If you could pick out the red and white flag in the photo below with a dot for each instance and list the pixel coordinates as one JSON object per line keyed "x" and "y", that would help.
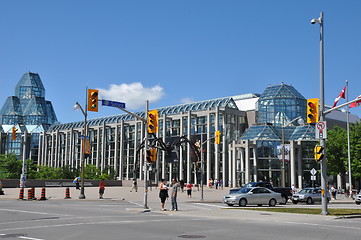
{"x": 341, "y": 95}
{"x": 357, "y": 103}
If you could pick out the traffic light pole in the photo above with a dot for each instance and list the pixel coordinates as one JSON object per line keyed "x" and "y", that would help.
{"x": 322, "y": 116}
{"x": 145, "y": 158}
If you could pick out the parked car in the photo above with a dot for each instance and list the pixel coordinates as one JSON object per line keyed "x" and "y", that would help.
{"x": 358, "y": 198}
{"x": 253, "y": 196}
{"x": 309, "y": 196}
{"x": 286, "y": 192}
{"x": 233, "y": 190}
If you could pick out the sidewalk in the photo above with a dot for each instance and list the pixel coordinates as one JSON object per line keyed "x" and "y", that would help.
{"x": 115, "y": 194}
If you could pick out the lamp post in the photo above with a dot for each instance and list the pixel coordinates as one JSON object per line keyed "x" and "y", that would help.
{"x": 78, "y": 107}
{"x": 320, "y": 21}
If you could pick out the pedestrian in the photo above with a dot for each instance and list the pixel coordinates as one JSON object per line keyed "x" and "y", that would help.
{"x": 220, "y": 183}
{"x": 76, "y": 181}
{"x": 333, "y": 192}
{"x": 216, "y": 183}
{"x": 189, "y": 190}
{"x": 101, "y": 189}
{"x": 163, "y": 193}
{"x": 134, "y": 185}
{"x": 293, "y": 189}
{"x": 174, "y": 194}
{"x": 181, "y": 182}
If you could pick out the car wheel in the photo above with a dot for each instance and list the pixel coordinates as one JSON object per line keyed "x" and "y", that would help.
{"x": 272, "y": 202}
{"x": 309, "y": 201}
{"x": 295, "y": 202}
{"x": 229, "y": 204}
{"x": 259, "y": 205}
{"x": 358, "y": 203}
{"x": 243, "y": 202}
{"x": 284, "y": 200}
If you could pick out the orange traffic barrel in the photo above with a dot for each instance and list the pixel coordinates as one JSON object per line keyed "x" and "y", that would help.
{"x": 21, "y": 194}
{"x": 67, "y": 193}
{"x": 30, "y": 194}
{"x": 43, "y": 194}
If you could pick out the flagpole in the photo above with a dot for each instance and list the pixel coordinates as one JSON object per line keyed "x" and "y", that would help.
{"x": 348, "y": 142}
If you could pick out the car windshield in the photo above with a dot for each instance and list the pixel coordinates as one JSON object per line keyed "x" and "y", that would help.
{"x": 306, "y": 190}
{"x": 244, "y": 190}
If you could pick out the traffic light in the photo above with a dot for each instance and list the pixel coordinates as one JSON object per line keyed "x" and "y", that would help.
{"x": 152, "y": 155}
{"x": 318, "y": 153}
{"x": 13, "y": 133}
{"x": 93, "y": 100}
{"x": 312, "y": 110}
{"x": 153, "y": 121}
{"x": 218, "y": 137}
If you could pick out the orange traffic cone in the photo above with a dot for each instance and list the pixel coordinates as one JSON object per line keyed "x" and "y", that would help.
{"x": 67, "y": 193}
{"x": 43, "y": 194}
{"x": 21, "y": 194}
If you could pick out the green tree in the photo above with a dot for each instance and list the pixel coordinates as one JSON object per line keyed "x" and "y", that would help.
{"x": 10, "y": 166}
{"x": 355, "y": 152}
{"x": 336, "y": 151}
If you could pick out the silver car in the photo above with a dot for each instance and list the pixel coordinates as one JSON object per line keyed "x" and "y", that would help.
{"x": 358, "y": 199}
{"x": 309, "y": 195}
{"x": 253, "y": 196}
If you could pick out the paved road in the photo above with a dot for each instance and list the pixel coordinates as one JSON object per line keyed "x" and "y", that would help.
{"x": 121, "y": 216}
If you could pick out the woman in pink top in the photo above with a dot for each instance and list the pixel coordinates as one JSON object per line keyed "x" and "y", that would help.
{"x": 189, "y": 190}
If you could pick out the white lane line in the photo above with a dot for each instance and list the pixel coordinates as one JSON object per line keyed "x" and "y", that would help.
{"x": 138, "y": 204}
{"x": 30, "y": 238}
{"x": 209, "y": 205}
{"x": 44, "y": 213}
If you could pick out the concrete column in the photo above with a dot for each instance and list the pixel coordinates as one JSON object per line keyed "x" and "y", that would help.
{"x": 234, "y": 165}
{"x": 164, "y": 166}
{"x": 247, "y": 162}
{"x": 121, "y": 150}
{"x": 181, "y": 166}
{"x": 293, "y": 162}
{"x": 299, "y": 164}
{"x": 189, "y": 162}
{"x": 255, "y": 168}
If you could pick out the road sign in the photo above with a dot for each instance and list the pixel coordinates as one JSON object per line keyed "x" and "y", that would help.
{"x": 313, "y": 178}
{"x": 313, "y": 171}
{"x": 113, "y": 104}
{"x": 321, "y": 130}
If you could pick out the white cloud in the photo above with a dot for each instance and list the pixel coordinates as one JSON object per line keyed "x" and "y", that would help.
{"x": 133, "y": 95}
{"x": 187, "y": 100}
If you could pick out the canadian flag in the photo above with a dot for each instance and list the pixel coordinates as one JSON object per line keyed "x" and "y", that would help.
{"x": 341, "y": 95}
{"x": 357, "y": 103}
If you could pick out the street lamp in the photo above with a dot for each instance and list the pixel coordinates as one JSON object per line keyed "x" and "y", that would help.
{"x": 78, "y": 107}
{"x": 320, "y": 21}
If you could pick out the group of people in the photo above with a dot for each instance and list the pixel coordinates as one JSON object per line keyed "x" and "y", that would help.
{"x": 217, "y": 184}
{"x": 174, "y": 187}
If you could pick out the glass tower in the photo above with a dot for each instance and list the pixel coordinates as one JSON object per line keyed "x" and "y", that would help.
{"x": 29, "y": 112}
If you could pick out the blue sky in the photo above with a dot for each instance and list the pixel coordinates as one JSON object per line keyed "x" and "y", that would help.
{"x": 171, "y": 52}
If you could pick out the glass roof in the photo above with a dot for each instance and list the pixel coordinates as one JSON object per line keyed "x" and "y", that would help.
{"x": 280, "y": 91}
{"x": 171, "y": 110}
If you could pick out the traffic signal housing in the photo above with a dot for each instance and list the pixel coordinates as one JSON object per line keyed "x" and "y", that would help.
{"x": 13, "y": 133}
{"x": 312, "y": 110}
{"x": 318, "y": 153}
{"x": 152, "y": 155}
{"x": 93, "y": 100}
{"x": 152, "y": 121}
{"x": 218, "y": 137}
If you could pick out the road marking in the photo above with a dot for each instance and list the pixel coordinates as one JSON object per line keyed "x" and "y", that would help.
{"x": 30, "y": 238}
{"x": 44, "y": 213}
{"x": 209, "y": 205}
{"x": 138, "y": 204}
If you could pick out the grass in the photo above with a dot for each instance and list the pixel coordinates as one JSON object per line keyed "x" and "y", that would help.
{"x": 332, "y": 212}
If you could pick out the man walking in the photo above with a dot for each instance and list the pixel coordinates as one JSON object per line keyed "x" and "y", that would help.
{"x": 174, "y": 194}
